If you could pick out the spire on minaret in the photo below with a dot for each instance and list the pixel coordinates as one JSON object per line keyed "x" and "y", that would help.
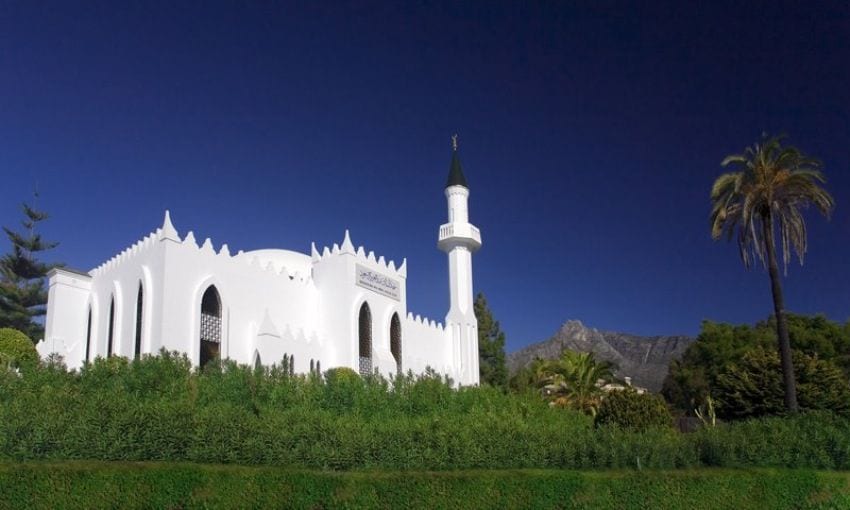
{"x": 456, "y": 177}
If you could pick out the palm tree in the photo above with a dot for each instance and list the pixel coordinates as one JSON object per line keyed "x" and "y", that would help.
{"x": 765, "y": 195}
{"x": 529, "y": 376}
{"x": 576, "y": 380}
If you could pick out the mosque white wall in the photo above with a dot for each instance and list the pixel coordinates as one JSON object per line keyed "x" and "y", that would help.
{"x": 66, "y": 328}
{"x": 427, "y": 346}
{"x": 343, "y": 275}
{"x": 274, "y": 303}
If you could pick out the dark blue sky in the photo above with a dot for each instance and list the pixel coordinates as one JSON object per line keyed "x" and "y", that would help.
{"x": 590, "y": 135}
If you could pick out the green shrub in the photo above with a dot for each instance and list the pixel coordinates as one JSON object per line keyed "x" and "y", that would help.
{"x": 16, "y": 349}
{"x": 752, "y": 386}
{"x": 634, "y": 411}
{"x": 694, "y": 376}
{"x": 160, "y": 408}
{"x": 806, "y": 440}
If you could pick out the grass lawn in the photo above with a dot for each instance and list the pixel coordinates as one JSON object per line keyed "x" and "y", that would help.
{"x": 86, "y": 484}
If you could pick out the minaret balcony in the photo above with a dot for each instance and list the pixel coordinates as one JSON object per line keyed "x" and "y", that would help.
{"x": 459, "y": 234}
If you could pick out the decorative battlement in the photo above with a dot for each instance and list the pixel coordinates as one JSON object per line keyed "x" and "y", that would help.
{"x": 424, "y": 321}
{"x": 168, "y": 233}
{"x": 255, "y": 263}
{"x": 130, "y": 253}
{"x": 347, "y": 248}
{"x": 268, "y": 328}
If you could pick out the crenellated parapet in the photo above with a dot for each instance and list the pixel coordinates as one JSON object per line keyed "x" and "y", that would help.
{"x": 425, "y": 322}
{"x": 167, "y": 233}
{"x": 360, "y": 254}
{"x": 139, "y": 248}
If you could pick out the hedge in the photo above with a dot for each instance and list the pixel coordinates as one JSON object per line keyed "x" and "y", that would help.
{"x": 159, "y": 409}
{"x": 162, "y": 485}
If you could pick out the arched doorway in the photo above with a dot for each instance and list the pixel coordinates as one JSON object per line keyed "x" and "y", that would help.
{"x": 365, "y": 337}
{"x": 395, "y": 341}
{"x": 210, "y": 326}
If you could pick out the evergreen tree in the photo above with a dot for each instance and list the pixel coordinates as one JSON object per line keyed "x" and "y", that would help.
{"x": 491, "y": 346}
{"x": 23, "y": 289}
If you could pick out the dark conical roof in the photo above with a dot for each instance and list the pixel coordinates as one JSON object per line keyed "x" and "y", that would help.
{"x": 456, "y": 177}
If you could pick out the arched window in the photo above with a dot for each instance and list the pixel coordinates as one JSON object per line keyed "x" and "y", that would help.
{"x": 88, "y": 335}
{"x": 137, "y": 350}
{"x": 111, "y": 328}
{"x": 365, "y": 334}
{"x": 210, "y": 326}
{"x": 395, "y": 341}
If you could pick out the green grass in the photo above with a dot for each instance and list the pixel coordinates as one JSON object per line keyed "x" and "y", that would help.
{"x": 88, "y": 484}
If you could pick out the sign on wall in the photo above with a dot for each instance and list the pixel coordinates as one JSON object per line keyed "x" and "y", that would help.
{"x": 377, "y": 282}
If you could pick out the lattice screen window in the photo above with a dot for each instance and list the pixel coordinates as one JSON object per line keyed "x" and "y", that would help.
{"x": 210, "y": 341}
{"x": 365, "y": 365}
{"x": 365, "y": 340}
{"x": 395, "y": 341}
{"x": 210, "y": 328}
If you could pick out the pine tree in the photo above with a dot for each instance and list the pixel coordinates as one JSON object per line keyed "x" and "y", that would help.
{"x": 23, "y": 289}
{"x": 491, "y": 346}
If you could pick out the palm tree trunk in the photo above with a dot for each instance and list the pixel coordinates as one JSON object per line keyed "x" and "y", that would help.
{"x": 779, "y": 311}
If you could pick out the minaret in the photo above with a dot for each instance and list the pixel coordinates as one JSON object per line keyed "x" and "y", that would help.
{"x": 459, "y": 239}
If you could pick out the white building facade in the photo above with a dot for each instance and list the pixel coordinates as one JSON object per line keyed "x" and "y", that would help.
{"x": 339, "y": 307}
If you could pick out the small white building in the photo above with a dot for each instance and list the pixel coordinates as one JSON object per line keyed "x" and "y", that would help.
{"x": 341, "y": 307}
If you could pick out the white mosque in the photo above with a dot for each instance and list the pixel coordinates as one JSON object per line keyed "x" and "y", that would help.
{"x": 339, "y": 307}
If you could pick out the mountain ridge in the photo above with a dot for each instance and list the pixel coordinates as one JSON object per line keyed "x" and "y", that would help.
{"x": 646, "y": 359}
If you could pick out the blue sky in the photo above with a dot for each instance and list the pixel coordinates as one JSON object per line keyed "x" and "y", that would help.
{"x": 590, "y": 134}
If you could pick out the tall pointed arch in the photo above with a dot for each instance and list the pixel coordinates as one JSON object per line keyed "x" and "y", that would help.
{"x": 110, "y": 332}
{"x": 210, "y": 337}
{"x": 395, "y": 341}
{"x": 365, "y": 339}
{"x": 88, "y": 336}
{"x": 137, "y": 347}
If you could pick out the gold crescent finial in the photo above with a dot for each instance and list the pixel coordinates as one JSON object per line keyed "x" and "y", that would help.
{"x": 454, "y": 142}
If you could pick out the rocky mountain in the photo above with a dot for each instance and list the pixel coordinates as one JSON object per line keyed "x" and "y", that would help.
{"x": 645, "y": 359}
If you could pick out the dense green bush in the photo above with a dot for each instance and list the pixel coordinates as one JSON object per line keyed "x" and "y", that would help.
{"x": 692, "y": 378}
{"x": 753, "y": 387}
{"x": 163, "y": 485}
{"x": 634, "y": 411}
{"x": 814, "y": 439}
{"x": 159, "y": 408}
{"x": 16, "y": 349}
